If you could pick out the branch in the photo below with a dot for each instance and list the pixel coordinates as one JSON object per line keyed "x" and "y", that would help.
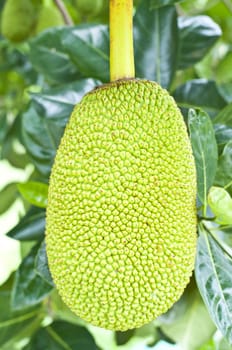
{"x": 61, "y": 6}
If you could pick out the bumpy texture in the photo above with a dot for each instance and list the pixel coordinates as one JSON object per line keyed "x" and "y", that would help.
{"x": 121, "y": 212}
{"x": 18, "y": 20}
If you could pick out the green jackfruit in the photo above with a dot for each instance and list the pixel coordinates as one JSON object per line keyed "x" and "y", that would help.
{"x": 121, "y": 216}
{"x": 18, "y": 20}
{"x": 49, "y": 16}
{"x": 90, "y": 7}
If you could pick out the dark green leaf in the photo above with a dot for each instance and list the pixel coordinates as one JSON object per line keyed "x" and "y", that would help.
{"x": 155, "y": 43}
{"x": 197, "y": 35}
{"x": 8, "y": 196}
{"x": 225, "y": 91}
{"x": 61, "y": 335}
{"x": 224, "y": 171}
{"x": 41, "y": 264}
{"x": 154, "y": 4}
{"x": 214, "y": 278}
{"x": 200, "y": 93}
{"x": 123, "y": 337}
{"x": 31, "y": 226}
{"x": 50, "y": 58}
{"x": 14, "y": 325}
{"x": 36, "y": 193}
{"x": 204, "y": 149}
{"x": 223, "y": 126}
{"x": 29, "y": 288}
{"x": 88, "y": 47}
{"x": 44, "y": 122}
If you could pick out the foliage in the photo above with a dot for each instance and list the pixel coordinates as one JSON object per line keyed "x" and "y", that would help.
{"x": 186, "y": 47}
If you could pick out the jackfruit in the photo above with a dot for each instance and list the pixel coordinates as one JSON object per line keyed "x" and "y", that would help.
{"x": 121, "y": 215}
{"x": 90, "y": 7}
{"x": 49, "y": 16}
{"x": 18, "y": 20}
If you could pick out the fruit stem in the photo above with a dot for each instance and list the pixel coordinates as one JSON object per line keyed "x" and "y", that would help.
{"x": 121, "y": 40}
{"x": 61, "y": 7}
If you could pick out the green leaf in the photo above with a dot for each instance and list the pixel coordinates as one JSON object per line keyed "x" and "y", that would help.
{"x": 224, "y": 171}
{"x": 41, "y": 264}
{"x": 197, "y": 35}
{"x": 62, "y": 335}
{"x": 31, "y": 227}
{"x": 225, "y": 91}
{"x": 204, "y": 149}
{"x": 88, "y": 48}
{"x": 223, "y": 126}
{"x": 201, "y": 93}
{"x": 14, "y": 326}
{"x": 44, "y": 122}
{"x": 214, "y": 278}
{"x": 35, "y": 193}
{"x": 220, "y": 203}
{"x": 29, "y": 288}
{"x": 155, "y": 43}
{"x": 8, "y": 196}
{"x": 154, "y": 4}
{"x": 191, "y": 325}
{"x": 50, "y": 58}
{"x": 223, "y": 69}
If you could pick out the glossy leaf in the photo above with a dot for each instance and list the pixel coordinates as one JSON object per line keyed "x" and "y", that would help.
{"x": 62, "y": 335}
{"x": 197, "y": 35}
{"x": 224, "y": 171}
{"x": 49, "y": 57}
{"x": 41, "y": 264}
{"x": 31, "y": 227}
{"x": 223, "y": 126}
{"x": 88, "y": 48}
{"x": 154, "y": 4}
{"x": 29, "y": 288}
{"x": 204, "y": 149}
{"x": 155, "y": 43}
{"x": 44, "y": 122}
{"x": 199, "y": 93}
{"x": 214, "y": 278}
{"x": 36, "y": 193}
{"x": 225, "y": 91}
{"x": 220, "y": 203}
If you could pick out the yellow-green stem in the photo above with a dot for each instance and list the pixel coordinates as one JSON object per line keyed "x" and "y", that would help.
{"x": 121, "y": 40}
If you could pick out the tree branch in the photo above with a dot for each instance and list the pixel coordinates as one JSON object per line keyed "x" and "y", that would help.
{"x": 61, "y": 6}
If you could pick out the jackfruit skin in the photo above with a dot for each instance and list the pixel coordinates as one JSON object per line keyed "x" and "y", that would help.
{"x": 121, "y": 216}
{"x": 49, "y": 17}
{"x": 18, "y": 20}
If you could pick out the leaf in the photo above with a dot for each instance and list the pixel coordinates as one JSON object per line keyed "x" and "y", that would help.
{"x": 192, "y": 326}
{"x": 201, "y": 93}
{"x": 155, "y": 43}
{"x": 31, "y": 226}
{"x": 50, "y": 58}
{"x": 62, "y": 335}
{"x": 214, "y": 278}
{"x": 29, "y": 288}
{"x": 223, "y": 126}
{"x": 204, "y": 149}
{"x": 225, "y": 91}
{"x": 154, "y": 4}
{"x": 197, "y": 35}
{"x": 8, "y": 197}
{"x": 224, "y": 171}
{"x": 41, "y": 264}
{"x": 223, "y": 69}
{"x": 44, "y": 122}
{"x": 35, "y": 193}
{"x": 88, "y": 48}
{"x": 14, "y": 325}
{"x": 220, "y": 203}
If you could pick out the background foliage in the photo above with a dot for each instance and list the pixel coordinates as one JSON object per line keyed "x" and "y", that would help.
{"x": 186, "y": 46}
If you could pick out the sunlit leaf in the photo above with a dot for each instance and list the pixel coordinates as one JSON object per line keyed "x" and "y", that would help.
{"x": 220, "y": 203}
{"x": 224, "y": 171}
{"x": 35, "y": 193}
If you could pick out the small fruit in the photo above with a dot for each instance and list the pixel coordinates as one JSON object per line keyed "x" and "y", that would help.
{"x": 121, "y": 216}
{"x": 18, "y": 20}
{"x": 49, "y": 16}
{"x": 220, "y": 203}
